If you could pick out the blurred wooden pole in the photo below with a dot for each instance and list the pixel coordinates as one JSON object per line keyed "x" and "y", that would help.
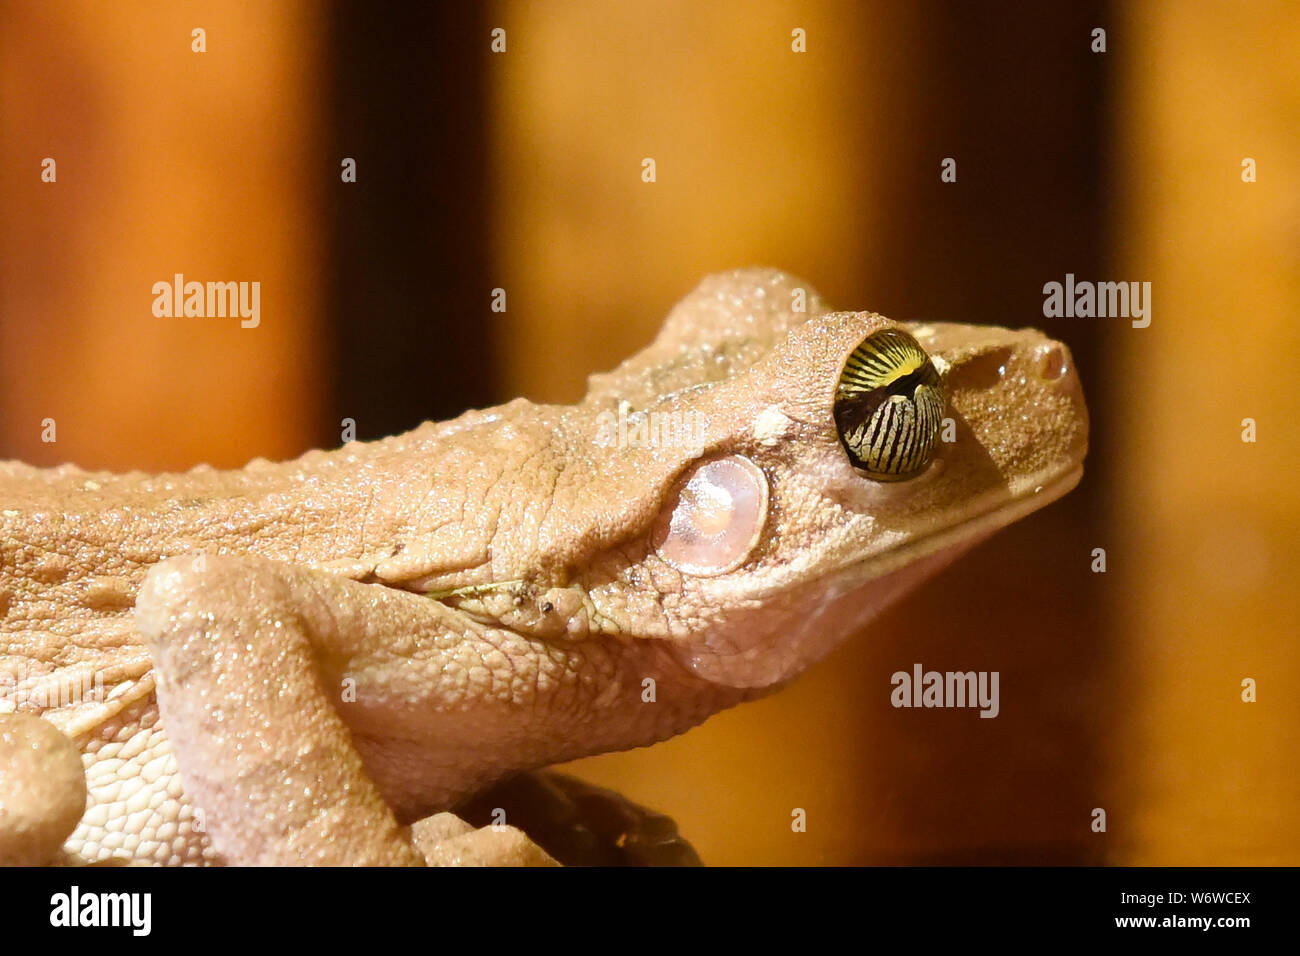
{"x": 168, "y": 161}
{"x": 753, "y": 164}
{"x": 1205, "y": 557}
{"x": 407, "y": 283}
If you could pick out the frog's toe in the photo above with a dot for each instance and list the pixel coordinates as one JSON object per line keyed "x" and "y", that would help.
{"x": 42, "y": 790}
{"x": 446, "y": 840}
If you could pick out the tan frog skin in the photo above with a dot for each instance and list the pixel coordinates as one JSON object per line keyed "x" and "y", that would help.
{"x": 308, "y": 656}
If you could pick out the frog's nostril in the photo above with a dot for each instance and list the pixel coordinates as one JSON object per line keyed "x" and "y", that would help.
{"x": 1053, "y": 363}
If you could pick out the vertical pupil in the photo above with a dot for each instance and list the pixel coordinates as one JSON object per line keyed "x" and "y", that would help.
{"x": 906, "y": 386}
{"x": 888, "y": 418}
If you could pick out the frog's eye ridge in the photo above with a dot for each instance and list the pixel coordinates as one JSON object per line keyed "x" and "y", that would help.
{"x": 889, "y": 406}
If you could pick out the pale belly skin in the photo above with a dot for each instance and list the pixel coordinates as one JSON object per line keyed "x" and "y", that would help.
{"x": 349, "y": 642}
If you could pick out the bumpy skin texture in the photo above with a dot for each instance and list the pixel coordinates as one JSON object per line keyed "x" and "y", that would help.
{"x": 305, "y": 657}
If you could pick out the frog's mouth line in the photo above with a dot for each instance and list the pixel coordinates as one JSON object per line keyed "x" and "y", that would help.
{"x": 958, "y": 538}
{"x": 974, "y": 529}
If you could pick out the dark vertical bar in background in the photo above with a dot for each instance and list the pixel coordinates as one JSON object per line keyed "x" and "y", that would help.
{"x": 408, "y": 241}
{"x": 1021, "y": 102}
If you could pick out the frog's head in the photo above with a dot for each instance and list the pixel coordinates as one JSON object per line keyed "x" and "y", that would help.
{"x": 826, "y": 463}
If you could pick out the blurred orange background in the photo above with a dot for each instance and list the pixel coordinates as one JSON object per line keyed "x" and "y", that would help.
{"x": 521, "y": 170}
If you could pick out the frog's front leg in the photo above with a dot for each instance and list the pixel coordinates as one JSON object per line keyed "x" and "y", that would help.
{"x": 42, "y": 790}
{"x": 258, "y": 664}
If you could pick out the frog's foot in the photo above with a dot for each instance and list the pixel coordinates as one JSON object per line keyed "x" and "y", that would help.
{"x": 446, "y": 840}
{"x": 42, "y": 790}
{"x": 580, "y": 824}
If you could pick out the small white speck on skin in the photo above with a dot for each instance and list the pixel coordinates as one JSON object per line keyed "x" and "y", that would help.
{"x": 770, "y": 426}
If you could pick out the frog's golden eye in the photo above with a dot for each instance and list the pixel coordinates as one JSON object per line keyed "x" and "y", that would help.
{"x": 889, "y": 406}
